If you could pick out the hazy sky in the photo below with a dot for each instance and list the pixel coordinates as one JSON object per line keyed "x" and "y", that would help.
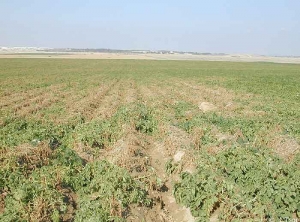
{"x": 270, "y": 27}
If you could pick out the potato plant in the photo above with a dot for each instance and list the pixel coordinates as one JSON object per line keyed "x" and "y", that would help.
{"x": 245, "y": 183}
{"x": 106, "y": 140}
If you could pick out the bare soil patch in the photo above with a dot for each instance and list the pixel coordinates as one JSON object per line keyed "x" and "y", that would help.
{"x": 285, "y": 146}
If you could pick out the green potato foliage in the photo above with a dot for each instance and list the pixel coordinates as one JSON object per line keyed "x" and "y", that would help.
{"x": 245, "y": 183}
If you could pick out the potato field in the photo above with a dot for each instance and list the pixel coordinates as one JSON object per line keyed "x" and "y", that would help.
{"x": 141, "y": 140}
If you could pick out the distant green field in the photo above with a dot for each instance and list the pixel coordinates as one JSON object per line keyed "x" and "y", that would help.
{"x": 101, "y": 140}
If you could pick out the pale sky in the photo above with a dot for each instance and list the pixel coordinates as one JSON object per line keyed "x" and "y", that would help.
{"x": 269, "y": 27}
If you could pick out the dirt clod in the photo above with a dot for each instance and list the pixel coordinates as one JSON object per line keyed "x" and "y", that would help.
{"x": 207, "y": 107}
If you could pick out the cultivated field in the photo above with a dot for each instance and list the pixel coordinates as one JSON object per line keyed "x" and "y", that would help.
{"x": 150, "y": 56}
{"x": 138, "y": 140}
